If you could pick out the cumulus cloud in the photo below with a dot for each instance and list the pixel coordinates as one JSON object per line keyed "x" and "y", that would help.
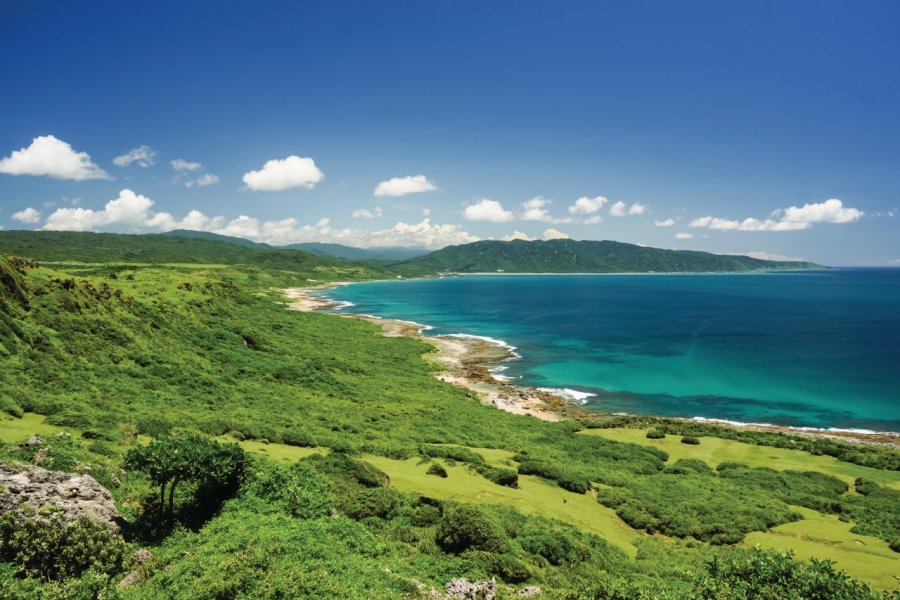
{"x": 516, "y": 235}
{"x": 29, "y": 215}
{"x": 127, "y": 211}
{"x": 555, "y": 234}
{"x": 401, "y": 186}
{"x": 681, "y": 235}
{"x": 786, "y": 219}
{"x": 281, "y": 174}
{"x": 179, "y": 165}
{"x": 144, "y": 156}
{"x": 620, "y": 209}
{"x": 830, "y": 211}
{"x": 365, "y": 213}
{"x": 487, "y": 210}
{"x": 587, "y": 206}
{"x": 593, "y": 220}
{"x": 202, "y": 181}
{"x": 666, "y": 223}
{"x": 52, "y": 157}
{"x": 535, "y": 209}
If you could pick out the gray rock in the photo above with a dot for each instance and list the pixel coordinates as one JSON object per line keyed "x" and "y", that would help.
{"x": 464, "y": 589}
{"x": 75, "y": 495}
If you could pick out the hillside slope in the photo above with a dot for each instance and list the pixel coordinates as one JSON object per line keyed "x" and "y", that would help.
{"x": 87, "y": 247}
{"x": 571, "y": 256}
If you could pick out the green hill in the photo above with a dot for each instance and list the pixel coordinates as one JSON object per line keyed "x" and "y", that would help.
{"x": 87, "y": 247}
{"x": 206, "y": 235}
{"x": 571, "y": 256}
{"x": 390, "y": 253}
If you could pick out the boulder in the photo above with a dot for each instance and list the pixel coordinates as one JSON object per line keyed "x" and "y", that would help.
{"x": 76, "y": 496}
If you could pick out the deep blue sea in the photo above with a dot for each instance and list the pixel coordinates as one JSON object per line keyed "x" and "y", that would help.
{"x": 815, "y": 348}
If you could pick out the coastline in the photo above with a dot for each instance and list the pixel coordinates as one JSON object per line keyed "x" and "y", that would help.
{"x": 472, "y": 361}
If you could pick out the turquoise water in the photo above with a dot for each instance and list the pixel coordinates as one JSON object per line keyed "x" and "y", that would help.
{"x": 819, "y": 349}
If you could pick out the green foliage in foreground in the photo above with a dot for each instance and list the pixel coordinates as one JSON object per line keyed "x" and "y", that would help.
{"x": 164, "y": 351}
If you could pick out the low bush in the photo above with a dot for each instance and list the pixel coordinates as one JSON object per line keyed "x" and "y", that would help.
{"x": 437, "y": 469}
{"x": 690, "y": 440}
{"x": 656, "y": 434}
{"x": 467, "y": 527}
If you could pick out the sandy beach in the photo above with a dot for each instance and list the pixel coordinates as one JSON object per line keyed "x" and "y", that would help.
{"x": 466, "y": 362}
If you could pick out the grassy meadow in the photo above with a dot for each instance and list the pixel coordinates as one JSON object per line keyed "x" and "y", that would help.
{"x": 367, "y": 477}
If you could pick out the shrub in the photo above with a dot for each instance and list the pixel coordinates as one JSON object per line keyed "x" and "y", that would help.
{"x": 373, "y": 502}
{"x": 566, "y": 478}
{"x": 509, "y": 568}
{"x": 299, "y": 490}
{"x": 425, "y": 515}
{"x": 11, "y": 407}
{"x": 690, "y": 440}
{"x": 437, "y": 469}
{"x": 154, "y": 425}
{"x": 216, "y": 469}
{"x": 46, "y": 547}
{"x": 468, "y": 528}
{"x": 656, "y": 434}
{"x": 505, "y": 477}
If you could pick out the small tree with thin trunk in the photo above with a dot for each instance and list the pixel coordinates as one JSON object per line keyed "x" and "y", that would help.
{"x": 215, "y": 469}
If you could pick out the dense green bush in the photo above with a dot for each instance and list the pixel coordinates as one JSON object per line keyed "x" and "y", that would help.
{"x": 567, "y": 478}
{"x": 437, "y": 469}
{"x": 467, "y": 527}
{"x": 297, "y": 489}
{"x": 216, "y": 470}
{"x": 690, "y": 440}
{"x": 656, "y": 434}
{"x": 373, "y": 502}
{"x": 45, "y": 546}
{"x": 500, "y": 476}
{"x": 766, "y": 574}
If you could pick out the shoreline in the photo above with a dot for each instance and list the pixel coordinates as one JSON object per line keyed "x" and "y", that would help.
{"x": 471, "y": 362}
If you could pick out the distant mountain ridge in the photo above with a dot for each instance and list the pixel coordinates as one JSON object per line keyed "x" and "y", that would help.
{"x": 388, "y": 253}
{"x": 573, "y": 256}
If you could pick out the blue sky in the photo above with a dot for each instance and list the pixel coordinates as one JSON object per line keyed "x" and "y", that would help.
{"x": 751, "y": 127}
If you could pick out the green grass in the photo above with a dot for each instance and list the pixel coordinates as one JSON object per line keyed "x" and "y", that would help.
{"x": 715, "y": 451}
{"x": 534, "y": 496}
{"x": 825, "y": 536}
{"x": 15, "y": 431}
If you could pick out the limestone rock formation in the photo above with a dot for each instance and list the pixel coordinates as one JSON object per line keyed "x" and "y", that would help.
{"x": 75, "y": 495}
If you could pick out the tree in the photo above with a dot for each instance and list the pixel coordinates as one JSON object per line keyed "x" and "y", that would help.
{"x": 216, "y": 469}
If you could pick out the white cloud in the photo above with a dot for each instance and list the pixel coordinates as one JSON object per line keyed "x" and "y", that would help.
{"x": 534, "y": 209}
{"x": 276, "y": 175}
{"x": 365, "y": 213}
{"x": 182, "y": 166}
{"x": 129, "y": 210}
{"x": 666, "y": 223}
{"x": 683, "y": 236}
{"x": 620, "y": 209}
{"x": 202, "y": 181}
{"x": 593, "y": 220}
{"x": 786, "y": 219}
{"x": 555, "y": 234}
{"x": 426, "y": 212}
{"x": 52, "y": 157}
{"x": 144, "y": 156}
{"x": 516, "y": 235}
{"x": 830, "y": 211}
{"x": 487, "y": 210}
{"x": 586, "y": 206}
{"x": 29, "y": 215}
{"x": 401, "y": 186}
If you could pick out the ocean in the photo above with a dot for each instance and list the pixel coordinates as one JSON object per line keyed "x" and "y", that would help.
{"x": 814, "y": 348}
